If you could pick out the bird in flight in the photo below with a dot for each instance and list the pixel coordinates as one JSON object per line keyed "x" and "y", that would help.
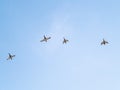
{"x": 104, "y": 42}
{"x": 10, "y": 56}
{"x": 65, "y": 41}
{"x": 45, "y": 39}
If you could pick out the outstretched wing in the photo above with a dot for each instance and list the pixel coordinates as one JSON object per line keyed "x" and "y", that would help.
{"x": 44, "y": 37}
{"x": 102, "y": 43}
{"x": 48, "y": 38}
{"x": 42, "y": 40}
{"x": 67, "y": 40}
{"x": 13, "y": 55}
{"x": 63, "y": 42}
{"x": 106, "y": 42}
{"x": 9, "y": 54}
{"x": 8, "y": 58}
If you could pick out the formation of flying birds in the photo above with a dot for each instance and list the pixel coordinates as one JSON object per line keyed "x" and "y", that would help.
{"x": 45, "y": 39}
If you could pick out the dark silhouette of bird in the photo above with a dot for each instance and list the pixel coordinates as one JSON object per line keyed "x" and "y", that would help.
{"x": 10, "y": 56}
{"x": 104, "y": 42}
{"x": 45, "y": 39}
{"x": 65, "y": 41}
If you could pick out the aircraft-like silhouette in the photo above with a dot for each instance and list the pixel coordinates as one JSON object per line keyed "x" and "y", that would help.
{"x": 65, "y": 41}
{"x": 45, "y": 39}
{"x": 10, "y": 56}
{"x": 104, "y": 42}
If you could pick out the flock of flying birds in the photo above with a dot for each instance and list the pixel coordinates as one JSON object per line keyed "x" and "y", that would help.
{"x": 45, "y": 39}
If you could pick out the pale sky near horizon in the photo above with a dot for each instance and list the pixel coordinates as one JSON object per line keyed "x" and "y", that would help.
{"x": 81, "y": 64}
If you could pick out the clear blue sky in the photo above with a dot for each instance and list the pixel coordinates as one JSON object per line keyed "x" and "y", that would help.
{"x": 82, "y": 64}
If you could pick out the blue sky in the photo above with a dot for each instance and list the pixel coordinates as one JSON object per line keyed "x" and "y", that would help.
{"x": 82, "y": 64}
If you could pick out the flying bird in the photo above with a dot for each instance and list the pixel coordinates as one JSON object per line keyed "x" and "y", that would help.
{"x": 10, "y": 56}
{"x": 104, "y": 42}
{"x": 65, "y": 41}
{"x": 45, "y": 39}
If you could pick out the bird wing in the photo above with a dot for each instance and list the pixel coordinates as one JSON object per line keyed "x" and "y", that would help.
{"x": 9, "y": 54}
{"x": 8, "y": 58}
{"x": 13, "y": 55}
{"x": 49, "y": 38}
{"x": 102, "y": 43}
{"x": 44, "y": 37}
{"x": 42, "y": 40}
{"x": 106, "y": 42}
